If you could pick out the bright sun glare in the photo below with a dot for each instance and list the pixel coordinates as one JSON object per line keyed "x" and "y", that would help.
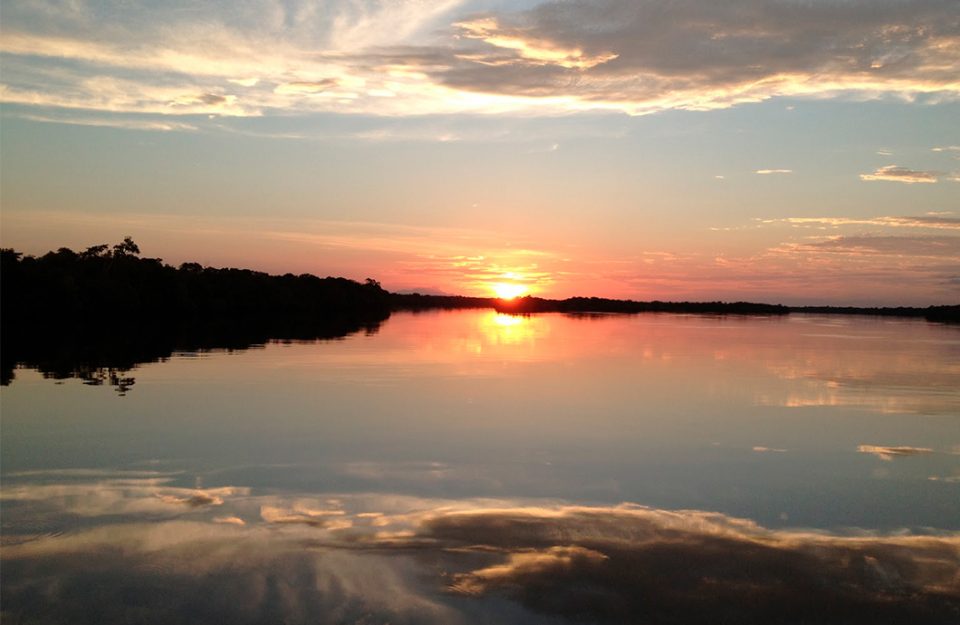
{"x": 508, "y": 290}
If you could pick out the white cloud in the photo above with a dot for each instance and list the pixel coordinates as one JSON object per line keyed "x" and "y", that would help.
{"x": 895, "y": 173}
{"x": 889, "y": 453}
{"x": 937, "y": 222}
{"x": 162, "y": 125}
{"x": 638, "y": 57}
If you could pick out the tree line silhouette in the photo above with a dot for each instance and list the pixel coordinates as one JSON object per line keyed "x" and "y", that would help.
{"x": 530, "y": 304}
{"x": 104, "y": 285}
{"x": 97, "y": 313}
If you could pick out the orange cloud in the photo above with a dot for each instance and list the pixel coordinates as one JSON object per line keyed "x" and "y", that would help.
{"x": 895, "y": 173}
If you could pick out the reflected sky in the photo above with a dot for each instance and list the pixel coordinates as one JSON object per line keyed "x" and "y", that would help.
{"x": 761, "y": 417}
{"x": 467, "y": 466}
{"x": 130, "y": 544}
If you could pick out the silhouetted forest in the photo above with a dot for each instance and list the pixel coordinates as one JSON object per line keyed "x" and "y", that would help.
{"x": 529, "y": 305}
{"x": 97, "y": 313}
{"x": 525, "y": 305}
{"x": 943, "y": 314}
{"x": 416, "y": 301}
{"x": 598, "y": 304}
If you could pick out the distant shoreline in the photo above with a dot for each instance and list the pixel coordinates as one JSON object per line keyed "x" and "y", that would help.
{"x": 96, "y": 314}
{"x": 105, "y": 286}
{"x": 533, "y": 305}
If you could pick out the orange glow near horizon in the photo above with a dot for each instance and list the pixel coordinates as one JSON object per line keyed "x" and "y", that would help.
{"x": 508, "y": 290}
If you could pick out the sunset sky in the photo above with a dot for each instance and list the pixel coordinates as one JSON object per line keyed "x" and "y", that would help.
{"x": 790, "y": 151}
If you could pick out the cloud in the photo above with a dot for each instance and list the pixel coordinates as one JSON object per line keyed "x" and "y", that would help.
{"x": 306, "y": 87}
{"x": 647, "y": 56}
{"x": 117, "y": 496}
{"x": 212, "y": 572}
{"x": 356, "y": 558}
{"x": 545, "y": 562}
{"x": 410, "y": 560}
{"x": 530, "y": 51}
{"x": 889, "y": 453}
{"x": 895, "y": 173}
{"x": 301, "y": 514}
{"x": 636, "y": 564}
{"x": 196, "y": 498}
{"x": 917, "y": 246}
{"x": 162, "y": 125}
{"x": 773, "y": 171}
{"x": 937, "y": 222}
{"x": 407, "y": 57}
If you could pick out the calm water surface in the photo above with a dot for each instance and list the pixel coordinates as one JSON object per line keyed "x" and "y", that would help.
{"x": 481, "y": 468}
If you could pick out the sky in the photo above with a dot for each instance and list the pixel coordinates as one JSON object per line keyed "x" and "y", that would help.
{"x": 786, "y": 151}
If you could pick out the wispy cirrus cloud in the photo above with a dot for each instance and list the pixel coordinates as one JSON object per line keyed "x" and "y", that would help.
{"x": 832, "y": 254}
{"x": 938, "y": 222}
{"x": 890, "y": 452}
{"x": 160, "y": 125}
{"x": 916, "y": 246}
{"x": 407, "y": 57}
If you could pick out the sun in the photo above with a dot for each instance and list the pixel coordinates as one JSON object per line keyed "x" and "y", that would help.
{"x": 508, "y": 290}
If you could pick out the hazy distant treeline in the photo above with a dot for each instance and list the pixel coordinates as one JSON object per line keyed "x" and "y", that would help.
{"x": 524, "y": 305}
{"x": 601, "y": 305}
{"x": 416, "y": 301}
{"x": 946, "y": 314}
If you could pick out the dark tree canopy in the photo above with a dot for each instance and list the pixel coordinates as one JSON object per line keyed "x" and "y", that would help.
{"x": 74, "y": 314}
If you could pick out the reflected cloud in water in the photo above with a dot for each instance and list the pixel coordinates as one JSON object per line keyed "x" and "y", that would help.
{"x": 362, "y": 558}
{"x": 868, "y": 363}
{"x": 889, "y": 453}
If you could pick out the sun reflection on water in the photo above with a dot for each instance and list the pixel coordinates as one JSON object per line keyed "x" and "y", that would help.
{"x": 504, "y": 329}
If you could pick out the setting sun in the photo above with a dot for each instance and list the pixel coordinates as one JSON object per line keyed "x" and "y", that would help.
{"x": 508, "y": 290}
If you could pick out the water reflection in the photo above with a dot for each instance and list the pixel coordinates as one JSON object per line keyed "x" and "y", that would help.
{"x": 163, "y": 553}
{"x": 892, "y": 366}
{"x": 471, "y": 467}
{"x": 502, "y": 329}
{"x": 98, "y": 356}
